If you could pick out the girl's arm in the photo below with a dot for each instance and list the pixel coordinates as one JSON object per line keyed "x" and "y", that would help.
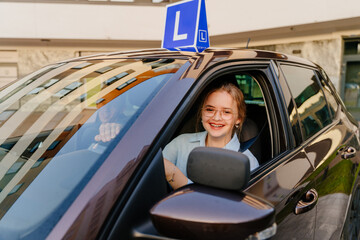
{"x": 173, "y": 175}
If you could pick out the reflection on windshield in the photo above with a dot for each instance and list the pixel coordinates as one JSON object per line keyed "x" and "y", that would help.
{"x": 65, "y": 118}
{"x": 112, "y": 119}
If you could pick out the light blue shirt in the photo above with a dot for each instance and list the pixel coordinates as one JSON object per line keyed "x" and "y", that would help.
{"x": 178, "y": 150}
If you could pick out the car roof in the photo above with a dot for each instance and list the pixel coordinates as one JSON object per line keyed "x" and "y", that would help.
{"x": 211, "y": 54}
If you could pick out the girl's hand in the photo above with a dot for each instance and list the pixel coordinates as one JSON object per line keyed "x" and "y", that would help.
{"x": 107, "y": 132}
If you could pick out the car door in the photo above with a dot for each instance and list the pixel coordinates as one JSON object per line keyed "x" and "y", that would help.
{"x": 283, "y": 176}
{"x": 338, "y": 210}
{"x": 331, "y": 146}
{"x": 285, "y": 179}
{"x": 328, "y": 135}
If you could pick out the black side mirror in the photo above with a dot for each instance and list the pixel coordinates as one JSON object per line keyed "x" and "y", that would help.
{"x": 220, "y": 168}
{"x": 210, "y": 208}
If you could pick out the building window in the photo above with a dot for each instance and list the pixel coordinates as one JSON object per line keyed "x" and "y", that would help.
{"x": 53, "y": 145}
{"x": 352, "y": 47}
{"x": 350, "y": 76}
{"x": 16, "y": 188}
{"x": 15, "y": 167}
{"x": 38, "y": 162}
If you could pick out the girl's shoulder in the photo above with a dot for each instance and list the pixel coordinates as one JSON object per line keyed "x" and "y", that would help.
{"x": 186, "y": 137}
{"x": 192, "y": 137}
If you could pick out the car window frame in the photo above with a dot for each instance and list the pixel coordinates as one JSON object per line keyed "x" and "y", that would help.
{"x": 329, "y": 90}
{"x": 273, "y": 96}
{"x": 336, "y": 95}
{"x": 286, "y": 88}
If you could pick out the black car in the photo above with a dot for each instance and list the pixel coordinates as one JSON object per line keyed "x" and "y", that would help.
{"x": 60, "y": 179}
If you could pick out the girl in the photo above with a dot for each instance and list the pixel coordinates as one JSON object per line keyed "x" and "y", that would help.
{"x": 222, "y": 114}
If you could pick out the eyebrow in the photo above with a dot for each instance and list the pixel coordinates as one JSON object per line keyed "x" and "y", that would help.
{"x": 215, "y": 107}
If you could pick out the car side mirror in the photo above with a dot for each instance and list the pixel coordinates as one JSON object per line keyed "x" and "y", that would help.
{"x": 217, "y": 167}
{"x": 213, "y": 207}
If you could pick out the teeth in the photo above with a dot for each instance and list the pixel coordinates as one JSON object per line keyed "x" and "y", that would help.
{"x": 214, "y": 125}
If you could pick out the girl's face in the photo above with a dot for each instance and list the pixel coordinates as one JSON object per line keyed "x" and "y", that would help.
{"x": 219, "y": 115}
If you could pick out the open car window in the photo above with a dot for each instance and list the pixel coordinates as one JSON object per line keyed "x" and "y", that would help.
{"x": 255, "y": 134}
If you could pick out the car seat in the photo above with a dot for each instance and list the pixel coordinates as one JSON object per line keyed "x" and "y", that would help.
{"x": 255, "y": 133}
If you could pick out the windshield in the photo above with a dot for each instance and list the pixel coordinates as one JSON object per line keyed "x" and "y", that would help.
{"x": 58, "y": 125}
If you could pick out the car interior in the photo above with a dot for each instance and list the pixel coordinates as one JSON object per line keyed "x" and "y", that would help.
{"x": 255, "y": 133}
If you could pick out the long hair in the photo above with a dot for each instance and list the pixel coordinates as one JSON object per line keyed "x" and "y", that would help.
{"x": 238, "y": 97}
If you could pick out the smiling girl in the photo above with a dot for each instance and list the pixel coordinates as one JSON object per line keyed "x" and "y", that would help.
{"x": 222, "y": 114}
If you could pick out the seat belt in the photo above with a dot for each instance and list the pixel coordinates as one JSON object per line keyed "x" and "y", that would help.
{"x": 247, "y": 144}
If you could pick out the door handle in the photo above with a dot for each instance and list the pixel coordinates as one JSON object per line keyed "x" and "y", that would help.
{"x": 307, "y": 202}
{"x": 349, "y": 152}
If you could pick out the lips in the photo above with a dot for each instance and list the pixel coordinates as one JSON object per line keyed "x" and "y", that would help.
{"x": 216, "y": 125}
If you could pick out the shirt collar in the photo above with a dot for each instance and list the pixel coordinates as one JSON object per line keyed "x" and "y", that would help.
{"x": 234, "y": 143}
{"x": 199, "y": 137}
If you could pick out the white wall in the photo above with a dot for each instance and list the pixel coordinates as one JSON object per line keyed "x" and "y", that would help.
{"x": 122, "y": 22}
{"x": 79, "y": 21}
{"x": 230, "y": 16}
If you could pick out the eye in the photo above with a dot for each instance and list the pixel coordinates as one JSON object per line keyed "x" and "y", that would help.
{"x": 227, "y": 112}
{"x": 210, "y": 110}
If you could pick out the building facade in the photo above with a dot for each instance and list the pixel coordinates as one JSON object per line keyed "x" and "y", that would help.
{"x": 36, "y": 33}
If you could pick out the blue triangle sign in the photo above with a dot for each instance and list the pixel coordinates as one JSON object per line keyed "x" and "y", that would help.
{"x": 186, "y": 26}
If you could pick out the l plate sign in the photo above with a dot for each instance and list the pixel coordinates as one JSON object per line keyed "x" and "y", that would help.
{"x": 186, "y": 26}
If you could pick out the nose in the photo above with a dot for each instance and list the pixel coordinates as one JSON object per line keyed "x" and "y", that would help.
{"x": 217, "y": 115}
